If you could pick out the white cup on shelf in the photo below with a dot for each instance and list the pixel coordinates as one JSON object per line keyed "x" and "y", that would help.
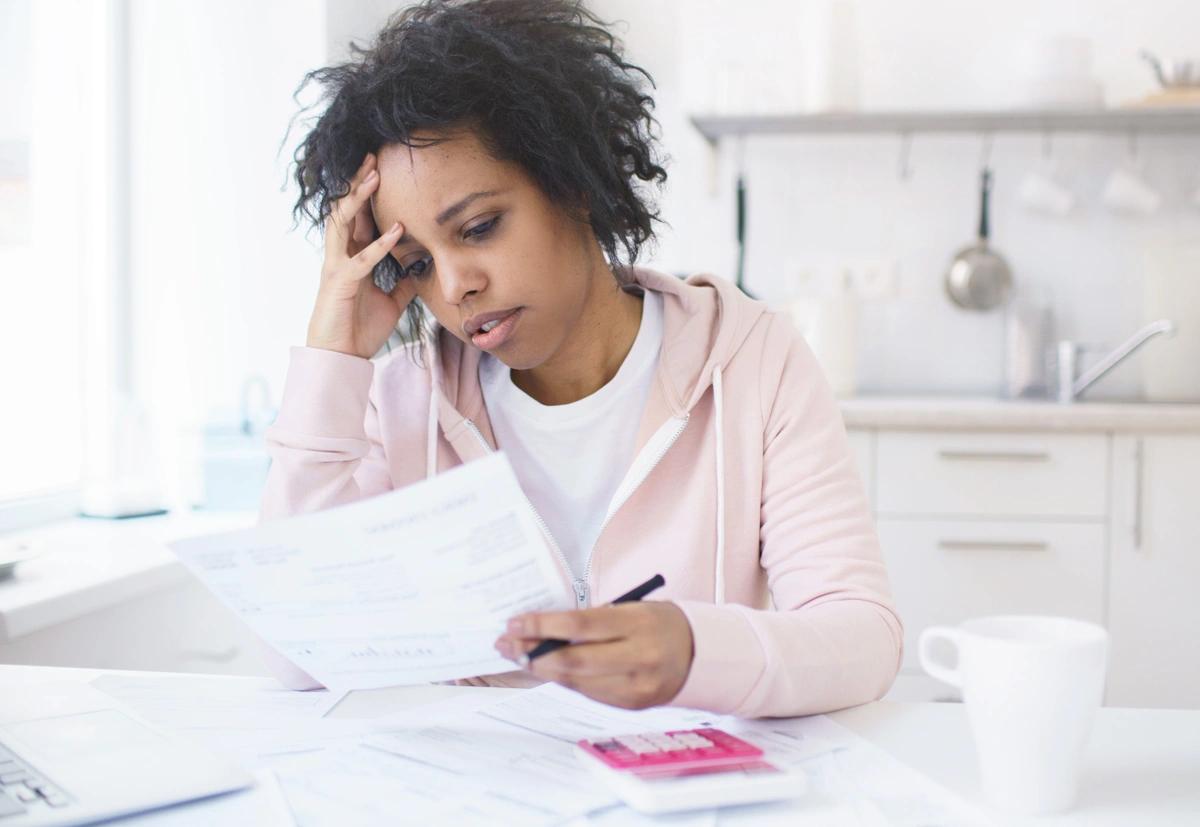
{"x": 1127, "y": 191}
{"x": 1031, "y": 685}
{"x": 1040, "y": 191}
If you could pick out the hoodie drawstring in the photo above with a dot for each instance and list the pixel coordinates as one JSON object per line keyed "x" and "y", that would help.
{"x": 719, "y": 574}
{"x": 431, "y": 436}
{"x": 431, "y": 425}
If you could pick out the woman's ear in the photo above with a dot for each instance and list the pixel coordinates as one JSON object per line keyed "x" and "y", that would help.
{"x": 581, "y": 209}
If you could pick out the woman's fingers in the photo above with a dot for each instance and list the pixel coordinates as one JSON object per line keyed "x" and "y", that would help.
{"x": 351, "y": 247}
{"x": 339, "y": 226}
{"x": 585, "y": 660}
{"x": 601, "y": 623}
{"x": 366, "y": 258}
{"x": 365, "y": 230}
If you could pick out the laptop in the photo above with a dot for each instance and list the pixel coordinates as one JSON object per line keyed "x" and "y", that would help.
{"x": 69, "y": 754}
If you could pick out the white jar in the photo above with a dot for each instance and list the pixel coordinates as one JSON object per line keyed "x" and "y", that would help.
{"x": 829, "y": 323}
{"x": 1171, "y": 290}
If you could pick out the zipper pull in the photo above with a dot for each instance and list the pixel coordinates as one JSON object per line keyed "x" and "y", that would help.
{"x": 581, "y": 594}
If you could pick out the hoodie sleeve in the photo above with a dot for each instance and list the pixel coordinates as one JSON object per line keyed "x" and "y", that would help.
{"x": 325, "y": 450}
{"x": 325, "y": 445}
{"x": 834, "y": 639}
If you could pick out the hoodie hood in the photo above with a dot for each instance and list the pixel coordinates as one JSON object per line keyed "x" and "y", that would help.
{"x": 706, "y": 320}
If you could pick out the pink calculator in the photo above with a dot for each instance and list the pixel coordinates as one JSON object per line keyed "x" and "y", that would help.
{"x": 658, "y": 772}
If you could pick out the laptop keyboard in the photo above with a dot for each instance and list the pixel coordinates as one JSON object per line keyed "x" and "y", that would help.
{"x": 24, "y": 789}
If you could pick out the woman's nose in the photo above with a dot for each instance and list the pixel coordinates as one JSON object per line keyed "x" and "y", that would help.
{"x": 460, "y": 279}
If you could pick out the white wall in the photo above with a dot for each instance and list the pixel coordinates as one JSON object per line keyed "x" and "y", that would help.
{"x": 815, "y": 202}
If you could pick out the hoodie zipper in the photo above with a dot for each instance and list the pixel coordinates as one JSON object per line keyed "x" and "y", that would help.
{"x": 587, "y": 573}
{"x": 580, "y": 586}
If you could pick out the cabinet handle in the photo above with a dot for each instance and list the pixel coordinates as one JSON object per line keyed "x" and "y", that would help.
{"x": 1138, "y": 495}
{"x": 996, "y": 456}
{"x": 997, "y": 545}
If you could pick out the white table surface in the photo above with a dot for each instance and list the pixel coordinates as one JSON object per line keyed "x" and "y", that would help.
{"x": 1142, "y": 765}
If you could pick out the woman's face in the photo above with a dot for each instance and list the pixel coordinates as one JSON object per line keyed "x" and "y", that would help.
{"x": 481, "y": 241}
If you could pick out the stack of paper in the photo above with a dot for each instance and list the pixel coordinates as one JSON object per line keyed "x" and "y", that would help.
{"x": 512, "y": 762}
{"x": 476, "y": 759}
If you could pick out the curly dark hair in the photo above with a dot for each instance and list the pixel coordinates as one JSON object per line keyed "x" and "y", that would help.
{"x": 543, "y": 83}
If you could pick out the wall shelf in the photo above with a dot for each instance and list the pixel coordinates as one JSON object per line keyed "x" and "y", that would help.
{"x": 1147, "y": 120}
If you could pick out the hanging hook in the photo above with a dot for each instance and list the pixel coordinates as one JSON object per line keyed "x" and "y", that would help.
{"x": 905, "y": 162}
{"x": 985, "y": 150}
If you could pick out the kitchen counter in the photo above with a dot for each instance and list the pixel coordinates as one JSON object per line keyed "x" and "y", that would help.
{"x": 943, "y": 413}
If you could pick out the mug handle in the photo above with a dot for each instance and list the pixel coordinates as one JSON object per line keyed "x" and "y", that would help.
{"x": 930, "y": 665}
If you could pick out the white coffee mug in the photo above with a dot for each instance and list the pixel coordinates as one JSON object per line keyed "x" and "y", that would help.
{"x": 1127, "y": 191}
{"x": 1031, "y": 686}
{"x": 1041, "y": 192}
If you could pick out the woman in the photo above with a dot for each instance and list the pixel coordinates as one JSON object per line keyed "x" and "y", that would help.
{"x": 656, "y": 425}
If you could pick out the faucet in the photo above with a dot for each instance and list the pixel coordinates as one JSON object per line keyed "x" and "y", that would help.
{"x": 1071, "y": 387}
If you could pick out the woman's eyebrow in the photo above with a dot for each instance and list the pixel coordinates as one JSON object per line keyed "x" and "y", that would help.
{"x": 454, "y": 209}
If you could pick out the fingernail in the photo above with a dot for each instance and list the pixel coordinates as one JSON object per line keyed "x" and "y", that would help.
{"x": 372, "y": 175}
{"x": 523, "y": 660}
{"x": 395, "y": 227}
{"x": 516, "y": 626}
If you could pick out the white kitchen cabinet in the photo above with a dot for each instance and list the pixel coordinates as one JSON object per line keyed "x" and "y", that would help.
{"x": 992, "y": 475}
{"x": 944, "y": 571}
{"x": 1154, "y": 575}
{"x": 1100, "y": 525}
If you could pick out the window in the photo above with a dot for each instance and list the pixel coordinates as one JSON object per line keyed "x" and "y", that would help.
{"x": 47, "y": 53}
{"x": 39, "y": 294}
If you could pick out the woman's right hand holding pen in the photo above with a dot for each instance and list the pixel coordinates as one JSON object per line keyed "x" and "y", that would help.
{"x": 352, "y": 315}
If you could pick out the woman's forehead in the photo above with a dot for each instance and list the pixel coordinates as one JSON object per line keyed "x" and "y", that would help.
{"x": 420, "y": 182}
{"x": 457, "y": 153}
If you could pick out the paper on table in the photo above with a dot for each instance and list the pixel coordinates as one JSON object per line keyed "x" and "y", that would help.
{"x": 523, "y": 745}
{"x": 411, "y": 586}
{"x": 509, "y": 762}
{"x": 251, "y": 720}
{"x": 262, "y": 805}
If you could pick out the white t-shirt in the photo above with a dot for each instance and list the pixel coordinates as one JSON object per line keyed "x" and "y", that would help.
{"x": 570, "y": 458}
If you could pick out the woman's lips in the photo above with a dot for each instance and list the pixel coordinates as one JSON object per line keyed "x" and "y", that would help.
{"x": 499, "y": 334}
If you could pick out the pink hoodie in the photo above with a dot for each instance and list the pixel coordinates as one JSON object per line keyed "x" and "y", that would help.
{"x": 743, "y": 495}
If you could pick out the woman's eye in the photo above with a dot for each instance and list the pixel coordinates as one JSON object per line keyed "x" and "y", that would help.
{"x": 418, "y": 268}
{"x": 482, "y": 229}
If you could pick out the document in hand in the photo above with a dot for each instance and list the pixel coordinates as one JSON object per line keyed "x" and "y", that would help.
{"x": 407, "y": 587}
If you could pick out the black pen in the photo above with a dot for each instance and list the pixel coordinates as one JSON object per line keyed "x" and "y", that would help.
{"x": 550, "y": 644}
